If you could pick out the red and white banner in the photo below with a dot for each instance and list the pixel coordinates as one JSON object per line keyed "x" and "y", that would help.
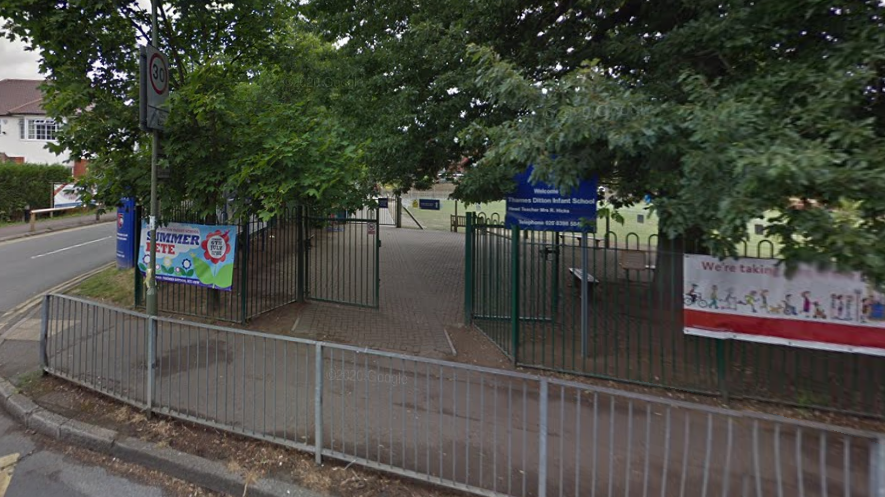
{"x": 753, "y": 300}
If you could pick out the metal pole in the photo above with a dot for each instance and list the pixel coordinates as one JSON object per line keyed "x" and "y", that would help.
{"x": 542, "y": 441}
{"x": 399, "y": 211}
{"x": 877, "y": 468}
{"x": 585, "y": 288}
{"x": 151, "y": 294}
{"x": 44, "y": 334}
{"x": 468, "y": 269}
{"x": 318, "y": 405}
{"x": 151, "y": 366}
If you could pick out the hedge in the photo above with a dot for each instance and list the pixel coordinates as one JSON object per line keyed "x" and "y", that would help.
{"x": 28, "y": 184}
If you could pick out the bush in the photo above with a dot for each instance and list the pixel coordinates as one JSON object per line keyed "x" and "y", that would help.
{"x": 28, "y": 184}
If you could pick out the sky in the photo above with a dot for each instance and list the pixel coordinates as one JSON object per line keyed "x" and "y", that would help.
{"x": 16, "y": 62}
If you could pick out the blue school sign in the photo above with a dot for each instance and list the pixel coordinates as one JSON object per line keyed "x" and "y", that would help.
{"x": 539, "y": 206}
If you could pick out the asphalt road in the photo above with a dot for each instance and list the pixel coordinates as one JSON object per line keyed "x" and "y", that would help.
{"x": 30, "y": 266}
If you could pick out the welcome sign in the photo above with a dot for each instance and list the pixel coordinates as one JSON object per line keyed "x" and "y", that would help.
{"x": 193, "y": 254}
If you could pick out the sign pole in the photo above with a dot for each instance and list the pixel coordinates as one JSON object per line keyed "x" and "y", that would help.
{"x": 151, "y": 294}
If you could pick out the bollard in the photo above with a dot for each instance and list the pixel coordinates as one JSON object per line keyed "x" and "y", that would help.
{"x": 33, "y": 221}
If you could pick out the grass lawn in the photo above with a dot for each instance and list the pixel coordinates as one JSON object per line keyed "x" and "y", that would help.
{"x": 111, "y": 286}
{"x": 638, "y": 230}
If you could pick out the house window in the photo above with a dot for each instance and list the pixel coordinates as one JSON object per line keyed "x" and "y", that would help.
{"x": 42, "y": 129}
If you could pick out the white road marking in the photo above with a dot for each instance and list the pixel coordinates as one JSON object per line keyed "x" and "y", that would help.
{"x": 71, "y": 247}
{"x": 7, "y": 466}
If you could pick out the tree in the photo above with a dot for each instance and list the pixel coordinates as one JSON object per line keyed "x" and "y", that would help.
{"x": 723, "y": 111}
{"x": 235, "y": 130}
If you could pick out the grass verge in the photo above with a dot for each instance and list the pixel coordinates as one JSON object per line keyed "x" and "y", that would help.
{"x": 111, "y": 286}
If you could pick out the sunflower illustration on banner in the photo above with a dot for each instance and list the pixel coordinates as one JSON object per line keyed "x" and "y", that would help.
{"x": 192, "y": 254}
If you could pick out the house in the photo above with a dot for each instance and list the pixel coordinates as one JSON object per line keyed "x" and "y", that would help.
{"x": 25, "y": 129}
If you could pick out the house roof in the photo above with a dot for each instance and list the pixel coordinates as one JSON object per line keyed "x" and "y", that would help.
{"x": 21, "y": 96}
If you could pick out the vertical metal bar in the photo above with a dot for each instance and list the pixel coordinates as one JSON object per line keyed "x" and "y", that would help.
{"x": 585, "y": 296}
{"x": 628, "y": 459}
{"x": 44, "y": 333}
{"x": 468, "y": 270}
{"x": 727, "y": 468}
{"x": 667, "y": 434}
{"x": 846, "y": 465}
{"x": 685, "y": 454}
{"x": 647, "y": 449}
{"x": 151, "y": 357}
{"x": 709, "y": 448}
{"x": 823, "y": 463}
{"x": 877, "y": 467}
{"x": 756, "y": 467}
{"x": 318, "y": 405}
{"x": 514, "y": 293}
{"x": 542, "y": 425}
{"x": 800, "y": 475}
{"x": 595, "y": 443}
{"x": 244, "y": 274}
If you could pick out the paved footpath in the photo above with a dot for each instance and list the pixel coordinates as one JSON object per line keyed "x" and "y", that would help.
{"x": 14, "y": 231}
{"x": 421, "y": 296}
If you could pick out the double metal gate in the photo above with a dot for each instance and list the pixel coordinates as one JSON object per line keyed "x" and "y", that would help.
{"x": 296, "y": 256}
{"x": 343, "y": 257}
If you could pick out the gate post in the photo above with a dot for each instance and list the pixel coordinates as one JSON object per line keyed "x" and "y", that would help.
{"x": 377, "y": 258}
{"x": 514, "y": 292}
{"x": 300, "y": 277}
{"x": 244, "y": 272}
{"x": 468, "y": 270}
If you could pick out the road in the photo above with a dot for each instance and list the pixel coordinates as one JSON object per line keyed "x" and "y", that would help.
{"x": 38, "y": 467}
{"x": 30, "y": 266}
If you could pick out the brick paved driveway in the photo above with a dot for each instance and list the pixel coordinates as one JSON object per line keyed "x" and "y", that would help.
{"x": 422, "y": 280}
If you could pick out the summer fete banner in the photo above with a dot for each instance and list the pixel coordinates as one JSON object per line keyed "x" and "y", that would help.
{"x": 192, "y": 254}
{"x": 753, "y": 300}
{"x": 540, "y": 206}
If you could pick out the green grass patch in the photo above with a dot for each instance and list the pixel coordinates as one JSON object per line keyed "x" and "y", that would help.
{"x": 112, "y": 286}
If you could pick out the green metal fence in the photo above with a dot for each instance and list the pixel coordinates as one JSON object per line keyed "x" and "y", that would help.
{"x": 524, "y": 290}
{"x": 266, "y": 271}
{"x": 342, "y": 257}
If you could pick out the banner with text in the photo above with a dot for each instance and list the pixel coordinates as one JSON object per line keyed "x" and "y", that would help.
{"x": 753, "y": 300}
{"x": 539, "y": 206}
{"x": 193, "y": 254}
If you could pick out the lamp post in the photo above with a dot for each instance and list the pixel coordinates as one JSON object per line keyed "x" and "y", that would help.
{"x": 151, "y": 294}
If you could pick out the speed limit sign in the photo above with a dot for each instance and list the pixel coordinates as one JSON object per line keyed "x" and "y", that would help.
{"x": 154, "y": 88}
{"x": 158, "y": 74}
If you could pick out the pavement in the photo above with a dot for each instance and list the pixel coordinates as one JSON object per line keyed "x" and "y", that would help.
{"x": 42, "y": 453}
{"x": 421, "y": 299}
{"x": 22, "y": 230}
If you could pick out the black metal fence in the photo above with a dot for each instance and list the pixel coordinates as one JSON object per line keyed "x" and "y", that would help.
{"x": 611, "y": 307}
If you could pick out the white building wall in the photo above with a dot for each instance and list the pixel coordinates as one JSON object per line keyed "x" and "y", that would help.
{"x": 32, "y": 150}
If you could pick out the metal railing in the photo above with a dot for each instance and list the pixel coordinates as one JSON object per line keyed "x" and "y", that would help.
{"x": 480, "y": 430}
{"x": 525, "y": 291}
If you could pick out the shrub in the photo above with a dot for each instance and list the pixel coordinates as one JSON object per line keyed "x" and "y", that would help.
{"x": 28, "y": 184}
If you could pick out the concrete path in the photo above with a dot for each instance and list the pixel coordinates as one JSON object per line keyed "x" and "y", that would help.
{"x": 48, "y": 225}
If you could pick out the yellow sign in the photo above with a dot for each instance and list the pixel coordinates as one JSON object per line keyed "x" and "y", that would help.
{"x": 414, "y": 204}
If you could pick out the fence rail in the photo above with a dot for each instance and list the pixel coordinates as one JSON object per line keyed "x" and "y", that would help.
{"x": 529, "y": 292}
{"x": 480, "y": 430}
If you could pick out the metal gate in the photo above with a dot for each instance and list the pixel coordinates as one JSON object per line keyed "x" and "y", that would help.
{"x": 342, "y": 257}
{"x": 508, "y": 276}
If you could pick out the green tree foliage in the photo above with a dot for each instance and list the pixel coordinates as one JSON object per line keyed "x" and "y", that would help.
{"x": 28, "y": 185}
{"x": 237, "y": 129}
{"x": 723, "y": 111}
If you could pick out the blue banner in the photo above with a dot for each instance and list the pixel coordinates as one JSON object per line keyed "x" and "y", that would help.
{"x": 539, "y": 206}
{"x": 194, "y": 254}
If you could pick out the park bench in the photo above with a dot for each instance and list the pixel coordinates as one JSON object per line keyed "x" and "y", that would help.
{"x": 634, "y": 260}
{"x": 579, "y": 275}
{"x": 457, "y": 221}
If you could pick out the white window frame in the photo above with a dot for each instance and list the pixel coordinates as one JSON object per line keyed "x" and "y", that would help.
{"x": 42, "y": 134}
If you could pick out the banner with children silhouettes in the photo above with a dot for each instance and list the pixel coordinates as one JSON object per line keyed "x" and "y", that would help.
{"x": 753, "y": 300}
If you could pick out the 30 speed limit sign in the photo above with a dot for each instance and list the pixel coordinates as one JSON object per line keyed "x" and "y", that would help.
{"x": 154, "y": 88}
{"x": 158, "y": 74}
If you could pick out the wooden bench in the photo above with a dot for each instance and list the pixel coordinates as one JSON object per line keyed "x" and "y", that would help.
{"x": 457, "y": 221}
{"x": 634, "y": 260}
{"x": 579, "y": 275}
{"x": 578, "y": 239}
